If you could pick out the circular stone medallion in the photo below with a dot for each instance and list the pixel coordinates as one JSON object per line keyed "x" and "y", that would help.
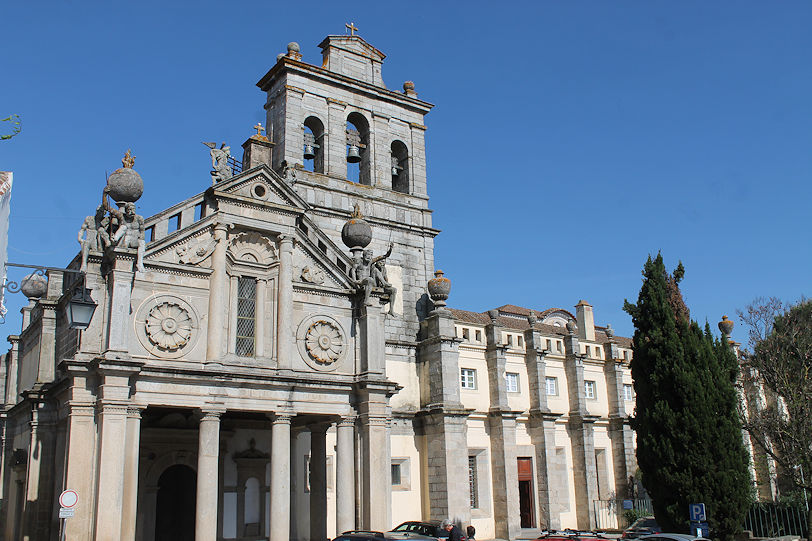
{"x": 322, "y": 342}
{"x": 167, "y": 326}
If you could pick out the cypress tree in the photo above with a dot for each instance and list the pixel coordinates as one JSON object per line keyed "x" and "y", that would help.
{"x": 689, "y": 441}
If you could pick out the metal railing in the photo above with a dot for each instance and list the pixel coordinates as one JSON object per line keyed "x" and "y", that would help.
{"x": 767, "y": 519}
{"x": 610, "y": 514}
{"x": 236, "y": 166}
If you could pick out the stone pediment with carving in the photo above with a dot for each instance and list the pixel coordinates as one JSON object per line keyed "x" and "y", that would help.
{"x": 252, "y": 248}
{"x": 194, "y": 249}
{"x": 310, "y": 271}
{"x": 260, "y": 185}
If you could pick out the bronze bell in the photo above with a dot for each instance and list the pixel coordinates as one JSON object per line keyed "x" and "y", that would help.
{"x": 309, "y": 152}
{"x": 353, "y": 154}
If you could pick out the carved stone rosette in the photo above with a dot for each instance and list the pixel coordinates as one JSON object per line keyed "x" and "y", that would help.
{"x": 322, "y": 342}
{"x": 167, "y": 326}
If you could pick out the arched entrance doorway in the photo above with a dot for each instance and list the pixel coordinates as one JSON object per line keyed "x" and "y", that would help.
{"x": 175, "y": 504}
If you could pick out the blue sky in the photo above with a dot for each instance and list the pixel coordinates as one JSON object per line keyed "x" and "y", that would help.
{"x": 569, "y": 139}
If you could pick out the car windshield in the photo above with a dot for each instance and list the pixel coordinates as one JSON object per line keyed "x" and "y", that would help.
{"x": 645, "y": 523}
{"x": 405, "y": 527}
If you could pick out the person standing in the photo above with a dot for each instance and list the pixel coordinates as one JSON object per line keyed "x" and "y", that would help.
{"x": 470, "y": 531}
{"x": 454, "y": 533}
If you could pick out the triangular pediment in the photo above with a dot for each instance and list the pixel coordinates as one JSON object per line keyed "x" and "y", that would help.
{"x": 262, "y": 185}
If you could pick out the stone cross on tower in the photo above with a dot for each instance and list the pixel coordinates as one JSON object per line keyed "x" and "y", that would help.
{"x": 352, "y": 28}
{"x": 259, "y": 129}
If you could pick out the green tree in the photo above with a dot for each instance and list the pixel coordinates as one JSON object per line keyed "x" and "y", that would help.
{"x": 689, "y": 444}
{"x": 782, "y": 362}
{"x": 15, "y": 126}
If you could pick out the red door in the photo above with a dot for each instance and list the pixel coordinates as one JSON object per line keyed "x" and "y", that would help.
{"x": 526, "y": 507}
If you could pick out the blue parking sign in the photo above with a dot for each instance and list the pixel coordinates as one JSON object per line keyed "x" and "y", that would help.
{"x": 697, "y": 512}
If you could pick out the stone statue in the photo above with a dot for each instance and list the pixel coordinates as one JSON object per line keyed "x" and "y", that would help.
{"x": 219, "y": 162}
{"x": 92, "y": 234}
{"x": 128, "y": 160}
{"x": 288, "y": 173}
{"x": 368, "y": 272}
{"x": 129, "y": 229}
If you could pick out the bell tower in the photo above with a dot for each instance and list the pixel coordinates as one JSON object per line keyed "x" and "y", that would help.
{"x": 342, "y": 138}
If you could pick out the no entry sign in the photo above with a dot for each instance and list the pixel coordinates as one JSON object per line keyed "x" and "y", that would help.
{"x": 68, "y": 498}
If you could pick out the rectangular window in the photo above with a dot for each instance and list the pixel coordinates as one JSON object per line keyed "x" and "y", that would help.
{"x": 473, "y": 482}
{"x": 520, "y": 342}
{"x": 597, "y": 352}
{"x": 396, "y": 475}
{"x": 478, "y": 336}
{"x": 552, "y": 386}
{"x": 628, "y": 392}
{"x": 510, "y": 340}
{"x": 246, "y": 316}
{"x": 549, "y": 345}
{"x": 589, "y": 389}
{"x": 200, "y": 211}
{"x": 174, "y": 222}
{"x": 625, "y": 355}
{"x": 560, "y": 346}
{"x": 464, "y": 333}
{"x": 467, "y": 378}
{"x": 512, "y": 382}
{"x": 149, "y": 234}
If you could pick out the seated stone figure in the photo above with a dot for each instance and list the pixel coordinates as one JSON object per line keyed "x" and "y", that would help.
{"x": 368, "y": 272}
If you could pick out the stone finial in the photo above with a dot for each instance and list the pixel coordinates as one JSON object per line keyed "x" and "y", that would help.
{"x": 128, "y": 160}
{"x": 34, "y": 285}
{"x": 532, "y": 319}
{"x": 293, "y": 51}
{"x": 726, "y": 326}
{"x": 572, "y": 328}
{"x": 610, "y": 332}
{"x": 280, "y": 56}
{"x": 356, "y": 233}
{"x": 439, "y": 288}
{"x": 124, "y": 184}
{"x": 494, "y": 315}
{"x": 408, "y": 88}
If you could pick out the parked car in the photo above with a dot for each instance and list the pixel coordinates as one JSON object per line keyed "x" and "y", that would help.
{"x": 571, "y": 535}
{"x": 670, "y": 537}
{"x": 430, "y": 529}
{"x": 641, "y": 526}
{"x": 360, "y": 535}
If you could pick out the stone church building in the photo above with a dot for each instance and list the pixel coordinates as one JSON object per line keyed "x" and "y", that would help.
{"x": 273, "y": 358}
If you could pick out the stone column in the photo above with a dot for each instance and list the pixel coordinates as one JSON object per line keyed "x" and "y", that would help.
{"x": 38, "y": 506}
{"x": 208, "y": 487}
{"x": 336, "y": 137}
{"x": 580, "y": 428}
{"x": 345, "y": 475}
{"x": 624, "y": 463}
{"x": 444, "y": 419}
{"x": 130, "y": 505}
{"x": 114, "y": 400}
{"x": 375, "y": 479}
{"x": 259, "y": 326}
{"x": 80, "y": 454}
{"x": 119, "y": 286}
{"x": 284, "y": 342}
{"x": 218, "y": 281}
{"x": 502, "y": 423}
{"x": 280, "y": 477}
{"x": 46, "y": 367}
{"x": 372, "y": 340}
{"x": 294, "y": 118}
{"x": 12, "y": 371}
{"x": 542, "y": 425}
{"x": 318, "y": 482}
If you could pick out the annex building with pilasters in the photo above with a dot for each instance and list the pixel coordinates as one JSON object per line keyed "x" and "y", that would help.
{"x": 244, "y": 385}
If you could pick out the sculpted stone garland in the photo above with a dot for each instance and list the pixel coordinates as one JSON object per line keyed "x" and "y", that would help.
{"x": 169, "y": 326}
{"x": 324, "y": 342}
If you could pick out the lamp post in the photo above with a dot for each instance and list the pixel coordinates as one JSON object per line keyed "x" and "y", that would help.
{"x": 81, "y": 306}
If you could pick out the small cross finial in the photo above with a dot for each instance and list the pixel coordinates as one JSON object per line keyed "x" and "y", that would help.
{"x": 352, "y": 28}
{"x": 259, "y": 129}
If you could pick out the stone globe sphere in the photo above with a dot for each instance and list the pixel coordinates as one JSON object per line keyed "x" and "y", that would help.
{"x": 125, "y": 185}
{"x": 34, "y": 286}
{"x": 356, "y": 233}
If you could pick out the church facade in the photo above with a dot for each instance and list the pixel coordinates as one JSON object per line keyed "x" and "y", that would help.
{"x": 273, "y": 358}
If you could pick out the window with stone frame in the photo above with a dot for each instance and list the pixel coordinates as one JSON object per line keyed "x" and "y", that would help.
{"x": 552, "y": 386}
{"x": 401, "y": 476}
{"x": 468, "y": 378}
{"x": 589, "y": 390}
{"x": 628, "y": 392}
{"x": 511, "y": 382}
{"x": 246, "y": 316}
{"x": 473, "y": 481}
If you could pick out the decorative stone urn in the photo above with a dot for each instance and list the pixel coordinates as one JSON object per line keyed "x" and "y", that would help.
{"x": 726, "y": 326}
{"x": 610, "y": 332}
{"x": 439, "y": 288}
{"x": 571, "y": 327}
{"x": 34, "y": 286}
{"x": 356, "y": 233}
{"x": 124, "y": 185}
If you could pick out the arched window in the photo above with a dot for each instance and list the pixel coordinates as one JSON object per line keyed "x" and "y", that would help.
{"x": 358, "y": 162}
{"x": 313, "y": 144}
{"x": 252, "y": 502}
{"x": 400, "y": 167}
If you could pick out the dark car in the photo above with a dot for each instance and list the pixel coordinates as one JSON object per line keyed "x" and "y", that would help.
{"x": 641, "y": 526}
{"x": 412, "y": 528}
{"x": 360, "y": 535}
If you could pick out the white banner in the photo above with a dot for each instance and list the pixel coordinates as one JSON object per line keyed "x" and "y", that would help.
{"x": 5, "y": 205}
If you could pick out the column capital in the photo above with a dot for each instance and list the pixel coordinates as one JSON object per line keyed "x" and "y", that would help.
{"x": 134, "y": 411}
{"x": 281, "y": 417}
{"x": 211, "y": 412}
{"x": 285, "y": 240}
{"x": 347, "y": 421}
{"x": 221, "y": 226}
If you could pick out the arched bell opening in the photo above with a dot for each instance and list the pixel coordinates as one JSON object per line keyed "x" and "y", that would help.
{"x": 313, "y": 151}
{"x": 358, "y": 151}
{"x": 400, "y": 167}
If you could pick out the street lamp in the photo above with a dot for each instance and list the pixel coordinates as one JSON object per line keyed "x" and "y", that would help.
{"x": 81, "y": 306}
